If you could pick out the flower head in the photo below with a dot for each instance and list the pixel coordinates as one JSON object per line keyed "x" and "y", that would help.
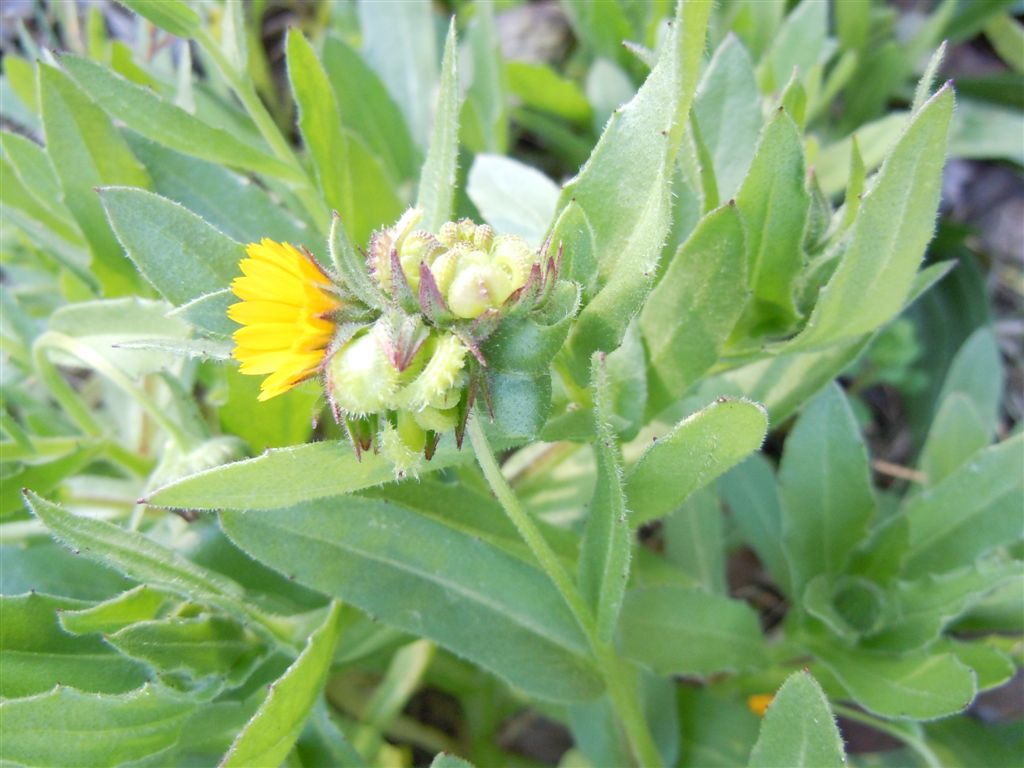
{"x": 286, "y": 312}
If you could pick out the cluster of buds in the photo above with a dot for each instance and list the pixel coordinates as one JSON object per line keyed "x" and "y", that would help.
{"x": 402, "y": 380}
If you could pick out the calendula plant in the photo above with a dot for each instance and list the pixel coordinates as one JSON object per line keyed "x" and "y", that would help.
{"x": 241, "y": 523}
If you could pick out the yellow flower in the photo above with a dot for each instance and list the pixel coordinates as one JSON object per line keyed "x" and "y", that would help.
{"x": 286, "y": 313}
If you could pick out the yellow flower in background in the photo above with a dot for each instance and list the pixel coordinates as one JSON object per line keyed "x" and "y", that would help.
{"x": 759, "y": 703}
{"x": 286, "y": 313}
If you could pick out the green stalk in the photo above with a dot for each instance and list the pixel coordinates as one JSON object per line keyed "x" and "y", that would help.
{"x": 246, "y": 93}
{"x": 621, "y": 688}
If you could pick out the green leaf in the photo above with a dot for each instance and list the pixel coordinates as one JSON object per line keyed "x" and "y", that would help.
{"x": 432, "y": 580}
{"x": 986, "y": 131}
{"x": 34, "y": 170}
{"x": 849, "y": 606}
{"x": 366, "y": 108}
{"x": 446, "y": 760}
{"x": 602, "y": 26}
{"x": 230, "y": 202}
{"x": 693, "y": 309}
{"x": 915, "y": 686}
{"x": 799, "y": 729}
{"x": 281, "y": 421}
{"x": 351, "y": 266}
{"x": 695, "y": 540}
{"x": 973, "y": 510}
{"x": 636, "y": 151}
{"x": 538, "y": 86}
{"x": 799, "y": 43}
{"x": 204, "y": 646}
{"x": 895, "y": 222}
{"x": 68, "y": 727}
{"x": 485, "y": 114}
{"x": 607, "y": 538}
{"x": 695, "y": 452}
{"x": 132, "y": 553}
{"x": 152, "y": 229}
{"x": 286, "y": 476}
{"x": 717, "y": 729}
{"x": 350, "y": 177}
{"x": 44, "y": 566}
{"x": 270, "y": 734}
{"x": 173, "y": 15}
{"x": 957, "y": 433}
{"x": 399, "y": 43}
{"x": 977, "y": 373}
{"x": 148, "y": 114}
{"x": 774, "y": 204}
{"x": 992, "y": 667}
{"x": 512, "y": 197}
{"x": 436, "y": 193}
{"x": 752, "y": 495}
{"x": 677, "y": 631}
{"x": 728, "y": 109}
{"x": 209, "y": 313}
{"x": 920, "y": 609}
{"x": 825, "y": 489}
{"x": 87, "y": 152}
{"x": 36, "y": 654}
{"x": 139, "y": 604}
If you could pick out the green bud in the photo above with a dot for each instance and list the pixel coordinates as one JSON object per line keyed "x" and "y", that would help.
{"x": 441, "y": 376}
{"x": 478, "y": 288}
{"x": 438, "y": 420}
{"x": 360, "y": 378}
{"x": 417, "y": 247}
{"x": 384, "y": 240}
{"x": 406, "y": 459}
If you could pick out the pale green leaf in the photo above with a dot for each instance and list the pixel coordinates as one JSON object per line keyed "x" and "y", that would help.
{"x": 436, "y": 193}
{"x": 286, "y": 476}
{"x": 695, "y": 540}
{"x": 512, "y": 197}
{"x": 693, "y": 309}
{"x": 179, "y": 253}
{"x": 992, "y": 666}
{"x": 270, "y": 734}
{"x": 957, "y": 432}
{"x": 139, "y": 604}
{"x": 825, "y": 489}
{"x": 728, "y": 109}
{"x": 173, "y": 15}
{"x": 484, "y": 113}
{"x": 799, "y": 43}
{"x": 751, "y": 492}
{"x": 977, "y": 373}
{"x": 799, "y": 729}
{"x": 87, "y": 151}
{"x": 895, "y": 222}
{"x": 36, "y": 653}
{"x": 145, "y": 112}
{"x": 399, "y": 43}
{"x": 543, "y": 89}
{"x": 132, "y": 554}
{"x": 688, "y": 632}
{"x": 446, "y": 760}
{"x": 68, "y": 727}
{"x": 985, "y": 131}
{"x": 432, "y": 580}
{"x": 916, "y": 686}
{"x": 974, "y": 509}
{"x": 607, "y": 538}
{"x": 695, "y": 452}
{"x": 774, "y": 204}
{"x": 636, "y": 152}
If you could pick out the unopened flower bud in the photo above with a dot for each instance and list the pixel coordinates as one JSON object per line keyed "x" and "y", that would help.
{"x": 417, "y": 247}
{"x": 514, "y": 257}
{"x": 442, "y": 374}
{"x": 360, "y": 378}
{"x": 478, "y": 288}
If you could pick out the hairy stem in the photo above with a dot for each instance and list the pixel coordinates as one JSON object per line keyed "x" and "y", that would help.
{"x": 617, "y": 675}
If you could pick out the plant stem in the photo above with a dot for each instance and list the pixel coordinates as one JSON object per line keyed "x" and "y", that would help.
{"x": 621, "y": 690}
{"x": 930, "y": 759}
{"x": 246, "y": 93}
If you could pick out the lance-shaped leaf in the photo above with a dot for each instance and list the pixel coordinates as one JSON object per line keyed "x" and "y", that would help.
{"x": 681, "y": 631}
{"x": 36, "y": 653}
{"x": 352, "y": 267}
{"x": 437, "y": 180}
{"x": 973, "y": 510}
{"x": 152, "y": 229}
{"x": 693, "y": 309}
{"x": 825, "y": 489}
{"x": 918, "y": 685}
{"x": 147, "y": 113}
{"x": 607, "y": 538}
{"x": 695, "y": 452}
{"x": 173, "y": 15}
{"x": 799, "y": 729}
{"x": 132, "y": 553}
{"x": 895, "y": 222}
{"x": 695, "y": 540}
{"x": 284, "y": 476}
{"x": 432, "y": 580}
{"x": 624, "y": 189}
{"x": 87, "y": 151}
{"x": 269, "y": 736}
{"x": 774, "y": 204}
{"x": 68, "y": 727}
